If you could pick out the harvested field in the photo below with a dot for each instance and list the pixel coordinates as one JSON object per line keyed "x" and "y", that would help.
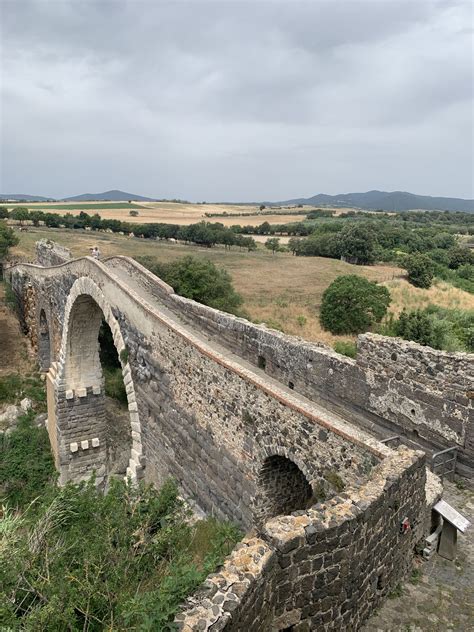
{"x": 281, "y": 290}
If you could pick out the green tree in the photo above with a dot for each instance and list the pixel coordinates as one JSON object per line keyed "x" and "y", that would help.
{"x": 352, "y": 304}
{"x": 418, "y": 327}
{"x": 459, "y": 256}
{"x": 358, "y": 243}
{"x": 7, "y": 239}
{"x": 273, "y": 244}
{"x": 200, "y": 280}
{"x": 3, "y": 212}
{"x": 133, "y": 213}
{"x": 20, "y": 214}
{"x": 420, "y": 270}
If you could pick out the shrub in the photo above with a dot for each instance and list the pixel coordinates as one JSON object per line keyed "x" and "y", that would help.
{"x": 200, "y": 280}
{"x": 352, "y": 304}
{"x": 23, "y": 478}
{"x": 420, "y": 270}
{"x": 418, "y": 327}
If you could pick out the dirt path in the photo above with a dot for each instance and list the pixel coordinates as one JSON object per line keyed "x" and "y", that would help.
{"x": 440, "y": 595}
{"x": 13, "y": 347}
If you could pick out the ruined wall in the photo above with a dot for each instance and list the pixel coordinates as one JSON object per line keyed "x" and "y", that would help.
{"x": 50, "y": 253}
{"x": 393, "y": 387}
{"x": 190, "y": 404}
{"x": 324, "y": 569}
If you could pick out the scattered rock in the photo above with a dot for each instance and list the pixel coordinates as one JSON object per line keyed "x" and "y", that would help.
{"x": 10, "y": 416}
{"x": 26, "y": 404}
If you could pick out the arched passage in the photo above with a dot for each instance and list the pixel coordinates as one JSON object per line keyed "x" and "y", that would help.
{"x": 281, "y": 488}
{"x": 44, "y": 342}
{"x": 83, "y": 430}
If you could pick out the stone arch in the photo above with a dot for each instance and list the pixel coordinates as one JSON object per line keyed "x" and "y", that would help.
{"x": 282, "y": 487}
{"x": 44, "y": 341}
{"x": 79, "y": 388}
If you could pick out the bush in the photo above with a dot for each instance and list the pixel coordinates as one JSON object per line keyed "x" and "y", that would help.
{"x": 200, "y": 280}
{"x": 23, "y": 478}
{"x": 418, "y": 327}
{"x": 420, "y": 270}
{"x": 352, "y": 304}
{"x": 437, "y": 327}
{"x": 7, "y": 239}
{"x": 124, "y": 560}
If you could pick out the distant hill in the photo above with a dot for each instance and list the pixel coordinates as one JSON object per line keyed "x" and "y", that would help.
{"x": 22, "y": 197}
{"x": 108, "y": 196}
{"x": 388, "y": 201}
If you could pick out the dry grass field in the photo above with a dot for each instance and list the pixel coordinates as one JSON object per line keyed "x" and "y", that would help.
{"x": 176, "y": 213}
{"x": 281, "y": 290}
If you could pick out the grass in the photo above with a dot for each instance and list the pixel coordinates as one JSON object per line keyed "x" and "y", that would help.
{"x": 281, "y": 290}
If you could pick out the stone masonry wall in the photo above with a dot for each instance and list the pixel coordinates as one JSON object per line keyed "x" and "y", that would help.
{"x": 50, "y": 253}
{"x": 323, "y": 569}
{"x": 393, "y": 387}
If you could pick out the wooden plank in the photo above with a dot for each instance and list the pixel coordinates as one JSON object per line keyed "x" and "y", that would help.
{"x": 452, "y": 516}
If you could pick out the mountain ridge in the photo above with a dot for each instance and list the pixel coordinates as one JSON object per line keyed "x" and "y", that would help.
{"x": 387, "y": 201}
{"x": 370, "y": 200}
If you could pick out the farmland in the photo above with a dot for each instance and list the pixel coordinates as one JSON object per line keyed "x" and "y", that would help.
{"x": 281, "y": 290}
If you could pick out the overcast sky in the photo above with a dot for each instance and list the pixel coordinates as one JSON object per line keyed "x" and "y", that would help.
{"x": 238, "y": 100}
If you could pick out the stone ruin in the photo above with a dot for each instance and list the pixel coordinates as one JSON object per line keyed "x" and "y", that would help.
{"x": 274, "y": 433}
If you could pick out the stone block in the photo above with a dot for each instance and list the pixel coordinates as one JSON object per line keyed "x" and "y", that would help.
{"x": 69, "y": 394}
{"x": 81, "y": 392}
{"x": 95, "y": 442}
{"x": 74, "y": 447}
{"x": 85, "y": 444}
{"x": 96, "y": 389}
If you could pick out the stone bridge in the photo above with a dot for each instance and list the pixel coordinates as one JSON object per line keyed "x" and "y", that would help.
{"x": 254, "y": 425}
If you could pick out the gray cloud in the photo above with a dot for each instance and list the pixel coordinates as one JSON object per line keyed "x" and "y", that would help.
{"x": 236, "y": 100}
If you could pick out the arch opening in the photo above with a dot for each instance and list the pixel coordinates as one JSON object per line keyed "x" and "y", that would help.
{"x": 95, "y": 428}
{"x": 282, "y": 489}
{"x": 44, "y": 342}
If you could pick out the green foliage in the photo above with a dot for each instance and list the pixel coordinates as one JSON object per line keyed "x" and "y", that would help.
{"x": 26, "y": 464}
{"x": 133, "y": 213}
{"x": 301, "y": 320}
{"x": 445, "y": 329}
{"x": 420, "y": 270}
{"x": 124, "y": 560}
{"x": 114, "y": 386}
{"x": 124, "y": 355}
{"x": 346, "y": 348}
{"x": 358, "y": 243}
{"x": 459, "y": 256}
{"x": 352, "y": 304}
{"x": 15, "y": 387}
{"x": 273, "y": 244}
{"x": 200, "y": 280}
{"x": 7, "y": 239}
{"x": 419, "y": 327}
{"x": 19, "y": 213}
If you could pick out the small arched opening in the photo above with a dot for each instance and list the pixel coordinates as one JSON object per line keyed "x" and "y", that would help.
{"x": 44, "y": 342}
{"x": 282, "y": 489}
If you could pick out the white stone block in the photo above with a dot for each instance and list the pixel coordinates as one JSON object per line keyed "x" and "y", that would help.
{"x": 95, "y": 442}
{"x": 69, "y": 394}
{"x": 81, "y": 392}
{"x": 132, "y": 407}
{"x": 74, "y": 447}
{"x": 96, "y": 389}
{"x": 85, "y": 444}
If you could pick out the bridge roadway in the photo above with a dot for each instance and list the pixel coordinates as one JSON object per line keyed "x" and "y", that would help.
{"x": 131, "y": 275}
